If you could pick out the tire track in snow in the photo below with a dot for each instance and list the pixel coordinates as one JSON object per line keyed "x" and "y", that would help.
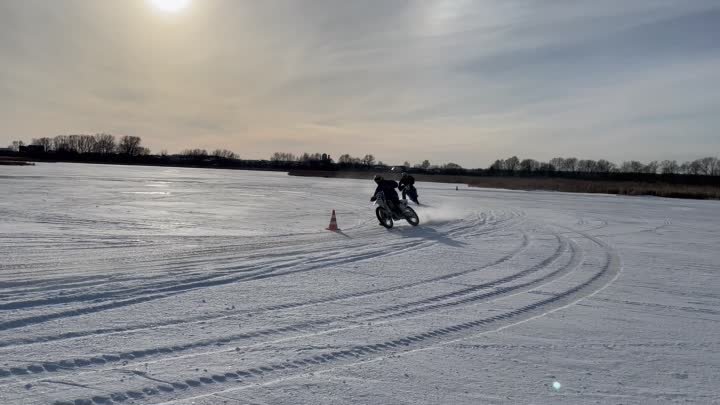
{"x": 199, "y": 283}
{"x": 311, "y": 326}
{"x": 106, "y": 331}
{"x": 180, "y": 289}
{"x": 180, "y": 260}
{"x": 318, "y": 263}
{"x": 573, "y": 263}
{"x": 363, "y": 353}
{"x": 166, "y": 284}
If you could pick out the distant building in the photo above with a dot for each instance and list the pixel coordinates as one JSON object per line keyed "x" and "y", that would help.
{"x": 32, "y": 149}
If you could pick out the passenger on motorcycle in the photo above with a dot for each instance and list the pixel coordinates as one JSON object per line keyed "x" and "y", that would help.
{"x": 406, "y": 182}
{"x": 388, "y": 188}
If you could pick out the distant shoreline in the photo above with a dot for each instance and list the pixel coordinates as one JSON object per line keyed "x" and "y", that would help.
{"x": 629, "y": 188}
{"x": 10, "y": 161}
{"x": 659, "y": 187}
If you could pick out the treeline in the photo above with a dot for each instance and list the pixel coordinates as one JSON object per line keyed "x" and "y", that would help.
{"x": 287, "y": 157}
{"x": 106, "y": 148}
{"x": 708, "y": 166}
{"x": 106, "y": 144}
{"x": 344, "y": 161}
{"x": 367, "y": 162}
{"x": 203, "y": 153}
{"x": 101, "y": 144}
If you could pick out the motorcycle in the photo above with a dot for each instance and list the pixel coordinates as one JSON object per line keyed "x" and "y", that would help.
{"x": 387, "y": 215}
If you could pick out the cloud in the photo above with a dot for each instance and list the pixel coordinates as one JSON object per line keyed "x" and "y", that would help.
{"x": 461, "y": 80}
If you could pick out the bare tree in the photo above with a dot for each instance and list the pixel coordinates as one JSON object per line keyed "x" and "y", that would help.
{"x": 86, "y": 143}
{"x": 104, "y": 144}
{"x": 512, "y": 164}
{"x": 603, "y": 166}
{"x": 558, "y": 163}
{"x": 424, "y": 165}
{"x": 685, "y": 168}
{"x": 368, "y": 160}
{"x": 570, "y": 164}
{"x": 632, "y": 166}
{"x": 61, "y": 143}
{"x": 546, "y": 167}
{"x": 669, "y": 167}
{"x": 224, "y": 154}
{"x": 15, "y": 145}
{"x": 716, "y": 167}
{"x": 586, "y": 166}
{"x": 310, "y": 157}
{"x": 651, "y": 168}
{"x": 498, "y": 165}
{"x": 695, "y": 167}
{"x": 73, "y": 143}
{"x": 283, "y": 157}
{"x": 196, "y": 153}
{"x": 345, "y": 159}
{"x": 707, "y": 165}
{"x": 130, "y": 145}
{"x": 529, "y": 165}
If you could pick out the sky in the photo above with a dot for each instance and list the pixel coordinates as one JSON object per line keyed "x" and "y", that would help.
{"x": 464, "y": 81}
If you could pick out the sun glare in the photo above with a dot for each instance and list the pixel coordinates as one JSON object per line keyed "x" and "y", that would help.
{"x": 170, "y": 6}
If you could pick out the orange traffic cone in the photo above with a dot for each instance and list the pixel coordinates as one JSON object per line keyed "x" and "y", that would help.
{"x": 333, "y": 223}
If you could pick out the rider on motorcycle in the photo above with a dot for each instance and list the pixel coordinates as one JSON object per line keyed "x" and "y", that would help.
{"x": 406, "y": 183}
{"x": 388, "y": 188}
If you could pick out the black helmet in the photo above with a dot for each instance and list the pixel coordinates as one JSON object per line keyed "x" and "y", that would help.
{"x": 378, "y": 178}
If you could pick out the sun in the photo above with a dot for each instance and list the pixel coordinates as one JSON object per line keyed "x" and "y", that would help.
{"x": 170, "y": 6}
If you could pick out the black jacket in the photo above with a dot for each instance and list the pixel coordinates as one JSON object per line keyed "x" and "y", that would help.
{"x": 407, "y": 180}
{"x": 388, "y": 188}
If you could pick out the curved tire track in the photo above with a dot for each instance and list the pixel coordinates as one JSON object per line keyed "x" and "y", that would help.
{"x": 361, "y": 353}
{"x": 411, "y": 308}
{"x": 323, "y": 262}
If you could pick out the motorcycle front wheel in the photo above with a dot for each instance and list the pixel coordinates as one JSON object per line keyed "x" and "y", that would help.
{"x": 412, "y": 217}
{"x": 384, "y": 217}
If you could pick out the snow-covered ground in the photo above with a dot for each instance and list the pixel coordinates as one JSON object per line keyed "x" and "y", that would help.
{"x": 138, "y": 285}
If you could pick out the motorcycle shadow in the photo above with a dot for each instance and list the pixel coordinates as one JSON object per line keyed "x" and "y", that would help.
{"x": 428, "y": 233}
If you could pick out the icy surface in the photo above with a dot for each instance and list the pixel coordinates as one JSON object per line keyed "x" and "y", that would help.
{"x": 138, "y": 285}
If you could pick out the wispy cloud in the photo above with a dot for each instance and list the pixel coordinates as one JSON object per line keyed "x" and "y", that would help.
{"x": 461, "y": 80}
